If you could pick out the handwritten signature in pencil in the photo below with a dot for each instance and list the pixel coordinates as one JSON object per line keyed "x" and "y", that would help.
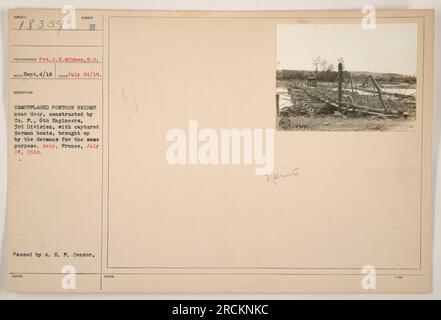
{"x": 276, "y": 176}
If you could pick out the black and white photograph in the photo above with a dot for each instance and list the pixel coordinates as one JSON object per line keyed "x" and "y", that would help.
{"x": 343, "y": 77}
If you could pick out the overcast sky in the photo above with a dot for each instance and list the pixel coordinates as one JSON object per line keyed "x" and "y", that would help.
{"x": 389, "y": 48}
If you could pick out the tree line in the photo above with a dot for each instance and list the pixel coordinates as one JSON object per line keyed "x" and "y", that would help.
{"x": 326, "y": 72}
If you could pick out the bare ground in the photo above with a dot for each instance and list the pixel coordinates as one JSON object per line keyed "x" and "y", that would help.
{"x": 332, "y": 123}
